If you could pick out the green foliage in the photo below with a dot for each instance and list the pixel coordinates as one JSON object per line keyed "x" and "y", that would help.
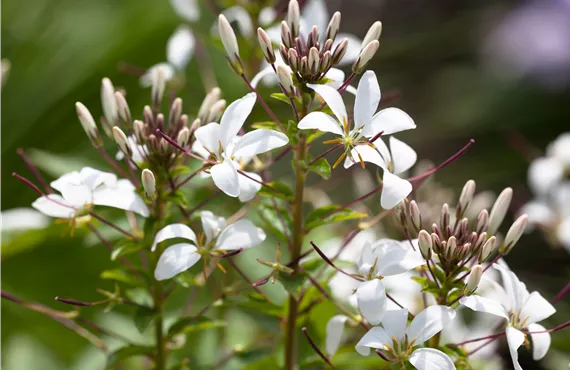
{"x": 330, "y": 214}
{"x": 124, "y": 353}
{"x": 277, "y": 190}
{"x": 322, "y": 168}
{"x": 187, "y": 325}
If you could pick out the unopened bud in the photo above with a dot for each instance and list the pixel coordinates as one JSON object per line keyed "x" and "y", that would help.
{"x": 499, "y": 210}
{"x": 415, "y": 216}
{"x": 195, "y": 125}
{"x": 286, "y": 35}
{"x": 158, "y": 86}
{"x": 451, "y": 246}
{"x": 148, "y": 116}
{"x": 473, "y": 279}
{"x": 339, "y": 51}
{"x": 314, "y": 59}
{"x": 327, "y": 46}
{"x": 138, "y": 127}
{"x": 149, "y": 183}
{"x": 465, "y": 198}
{"x": 333, "y": 26}
{"x": 124, "y": 111}
{"x": 436, "y": 243}
{"x": 326, "y": 62}
{"x": 514, "y": 234}
{"x": 425, "y": 242}
{"x": 175, "y": 112}
{"x": 373, "y": 34}
{"x": 229, "y": 40}
{"x": 482, "y": 221}
{"x": 481, "y": 239}
{"x": 293, "y": 59}
{"x": 266, "y": 45}
{"x": 183, "y": 137}
{"x": 164, "y": 146}
{"x": 215, "y": 112}
{"x": 313, "y": 37}
{"x": 487, "y": 249}
{"x": 285, "y": 79}
{"x": 108, "y": 102}
{"x": 294, "y": 17}
{"x": 121, "y": 140}
{"x": 444, "y": 218}
{"x": 304, "y": 66}
{"x": 212, "y": 97}
{"x": 365, "y": 56}
{"x": 88, "y": 124}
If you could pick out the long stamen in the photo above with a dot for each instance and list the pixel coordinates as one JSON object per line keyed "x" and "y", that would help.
{"x": 34, "y": 170}
{"x": 332, "y": 141}
{"x": 339, "y": 159}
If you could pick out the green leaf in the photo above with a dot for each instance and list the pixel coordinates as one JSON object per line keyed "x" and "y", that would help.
{"x": 315, "y": 135}
{"x": 292, "y": 132}
{"x": 192, "y": 324}
{"x": 281, "y": 191}
{"x": 322, "y": 168}
{"x": 123, "y": 353}
{"x": 180, "y": 170}
{"x": 178, "y": 198}
{"x": 127, "y": 247}
{"x": 123, "y": 277}
{"x": 256, "y": 303}
{"x": 143, "y": 317}
{"x": 281, "y": 97}
{"x": 271, "y": 217}
{"x": 322, "y": 216}
{"x": 292, "y": 283}
{"x": 268, "y": 125}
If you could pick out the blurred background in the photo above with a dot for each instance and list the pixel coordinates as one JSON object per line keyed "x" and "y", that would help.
{"x": 496, "y": 71}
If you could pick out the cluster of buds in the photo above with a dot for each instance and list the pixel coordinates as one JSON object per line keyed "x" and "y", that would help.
{"x": 311, "y": 56}
{"x": 460, "y": 241}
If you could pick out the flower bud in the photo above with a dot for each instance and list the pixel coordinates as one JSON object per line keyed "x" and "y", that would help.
{"x": 286, "y": 35}
{"x": 333, "y": 27}
{"x": 293, "y": 59}
{"x": 425, "y": 242}
{"x": 266, "y": 45}
{"x": 108, "y": 102}
{"x": 373, "y": 34}
{"x": 451, "y": 247}
{"x": 88, "y": 124}
{"x": 183, "y": 138}
{"x": 415, "y": 216}
{"x": 473, "y": 279}
{"x": 158, "y": 86}
{"x": 326, "y": 61}
{"x": 339, "y": 51}
{"x": 465, "y": 198}
{"x": 124, "y": 110}
{"x": 481, "y": 239}
{"x": 294, "y": 17}
{"x": 487, "y": 249}
{"x": 365, "y": 56}
{"x": 229, "y": 40}
{"x": 195, "y": 125}
{"x": 121, "y": 140}
{"x": 436, "y": 242}
{"x": 149, "y": 183}
{"x": 284, "y": 77}
{"x": 215, "y": 112}
{"x": 514, "y": 234}
{"x": 314, "y": 59}
{"x": 304, "y": 66}
{"x": 139, "y": 129}
{"x": 175, "y": 112}
{"x": 444, "y": 217}
{"x": 313, "y": 38}
{"x": 499, "y": 210}
{"x": 212, "y": 97}
{"x": 482, "y": 221}
{"x": 148, "y": 116}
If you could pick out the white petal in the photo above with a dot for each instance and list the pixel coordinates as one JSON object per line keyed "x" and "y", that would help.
{"x": 394, "y": 190}
{"x": 368, "y": 155}
{"x": 234, "y": 117}
{"x": 259, "y": 141}
{"x": 180, "y": 47}
{"x": 563, "y": 233}
{"x": 538, "y": 213}
{"x": 389, "y": 120}
{"x": 334, "y": 331}
{"x": 395, "y": 323}
{"x": 353, "y": 49}
{"x": 267, "y": 71}
{"x": 241, "y": 234}
{"x": 337, "y": 77}
{"x": 482, "y": 304}
{"x": 403, "y": 156}
{"x": 247, "y": 187}
{"x": 212, "y": 225}
{"x": 367, "y": 99}
{"x": 392, "y": 259}
{"x": 186, "y": 9}
{"x": 54, "y": 206}
{"x": 209, "y": 136}
{"x": 173, "y": 231}
{"x": 515, "y": 339}
{"x": 431, "y": 359}
{"x": 77, "y": 195}
{"x": 167, "y": 69}
{"x": 366, "y": 260}
{"x": 333, "y": 99}
{"x": 314, "y": 12}
{"x": 94, "y": 178}
{"x": 375, "y": 338}
{"x": 120, "y": 198}
{"x": 242, "y": 19}
{"x": 544, "y": 173}
{"x": 429, "y": 322}
{"x": 22, "y": 219}
{"x": 540, "y": 341}
{"x": 559, "y": 148}
{"x": 73, "y": 178}
{"x": 516, "y": 290}
{"x": 536, "y": 308}
{"x": 371, "y": 298}
{"x": 225, "y": 177}
{"x": 175, "y": 259}
{"x": 320, "y": 121}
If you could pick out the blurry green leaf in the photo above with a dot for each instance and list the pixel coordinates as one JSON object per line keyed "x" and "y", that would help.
{"x": 143, "y": 317}
{"x": 322, "y": 168}
{"x": 268, "y": 125}
{"x": 127, "y": 246}
{"x": 281, "y": 191}
{"x": 180, "y": 170}
{"x": 123, "y": 353}
{"x": 178, "y": 198}
{"x": 315, "y": 135}
{"x": 281, "y": 97}
{"x": 250, "y": 355}
{"x": 292, "y": 283}
{"x": 123, "y": 277}
{"x": 292, "y": 132}
{"x": 323, "y": 216}
{"x": 192, "y": 324}
{"x": 255, "y": 302}
{"x": 273, "y": 219}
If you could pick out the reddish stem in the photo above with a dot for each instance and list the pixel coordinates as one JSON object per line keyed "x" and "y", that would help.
{"x": 34, "y": 170}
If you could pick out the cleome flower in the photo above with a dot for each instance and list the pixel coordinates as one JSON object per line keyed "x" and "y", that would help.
{"x": 367, "y": 123}
{"x": 398, "y": 338}
{"x": 217, "y": 236}
{"x": 80, "y": 191}
{"x": 521, "y": 309}
{"x": 221, "y": 141}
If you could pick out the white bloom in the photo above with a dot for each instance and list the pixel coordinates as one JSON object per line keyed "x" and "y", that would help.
{"x": 219, "y": 140}
{"x": 425, "y": 325}
{"x": 22, "y": 219}
{"x": 521, "y": 309}
{"x": 334, "y": 332}
{"x": 186, "y": 9}
{"x": 218, "y": 236}
{"x": 81, "y": 190}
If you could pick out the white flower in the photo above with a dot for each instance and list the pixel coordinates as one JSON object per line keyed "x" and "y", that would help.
{"x": 334, "y": 332}
{"x": 217, "y": 236}
{"x": 81, "y": 190}
{"x": 521, "y": 309}
{"x": 219, "y": 140}
{"x": 186, "y": 9}
{"x": 425, "y": 325}
{"x": 22, "y": 219}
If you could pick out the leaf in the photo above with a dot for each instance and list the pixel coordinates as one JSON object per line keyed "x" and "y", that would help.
{"x": 192, "y": 324}
{"x": 322, "y": 168}
{"x": 283, "y": 191}
{"x": 125, "y": 352}
{"x": 180, "y": 170}
{"x": 269, "y": 125}
{"x": 315, "y": 135}
{"x": 178, "y": 198}
{"x": 256, "y": 303}
{"x": 281, "y": 97}
{"x": 271, "y": 217}
{"x": 322, "y": 216}
{"x": 292, "y": 132}
{"x": 293, "y": 282}
{"x": 127, "y": 247}
{"x": 143, "y": 317}
{"x": 122, "y": 277}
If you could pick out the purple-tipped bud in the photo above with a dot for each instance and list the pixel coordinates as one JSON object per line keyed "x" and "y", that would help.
{"x": 482, "y": 221}
{"x": 183, "y": 138}
{"x": 334, "y": 26}
{"x": 124, "y": 110}
{"x": 285, "y": 79}
{"x": 149, "y": 183}
{"x": 158, "y": 86}
{"x": 266, "y": 45}
{"x": 365, "y": 56}
{"x": 465, "y": 198}
{"x": 286, "y": 35}
{"x": 326, "y": 61}
{"x": 108, "y": 102}
{"x": 425, "y": 242}
{"x": 314, "y": 60}
{"x": 339, "y": 51}
{"x": 175, "y": 112}
{"x": 212, "y": 97}
{"x": 473, "y": 279}
{"x": 293, "y": 59}
{"x": 121, "y": 140}
{"x": 373, "y": 34}
{"x": 229, "y": 40}
{"x": 415, "y": 216}
{"x": 499, "y": 210}
{"x": 88, "y": 124}
{"x": 139, "y": 129}
{"x": 514, "y": 234}
{"x": 294, "y": 17}
{"x": 487, "y": 249}
{"x": 215, "y": 112}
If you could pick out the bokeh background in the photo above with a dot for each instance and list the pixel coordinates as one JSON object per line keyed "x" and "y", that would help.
{"x": 496, "y": 71}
